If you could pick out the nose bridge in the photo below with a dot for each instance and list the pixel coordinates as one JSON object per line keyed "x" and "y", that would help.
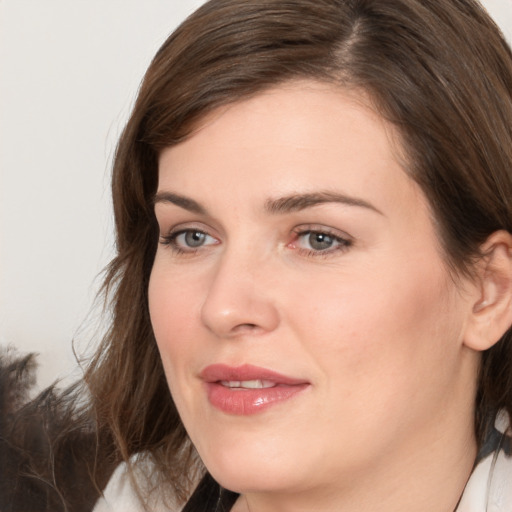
{"x": 238, "y": 301}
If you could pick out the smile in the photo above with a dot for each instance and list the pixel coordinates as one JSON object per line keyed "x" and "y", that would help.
{"x": 248, "y": 384}
{"x": 247, "y": 389}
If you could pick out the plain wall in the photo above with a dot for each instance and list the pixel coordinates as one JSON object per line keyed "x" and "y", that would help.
{"x": 69, "y": 71}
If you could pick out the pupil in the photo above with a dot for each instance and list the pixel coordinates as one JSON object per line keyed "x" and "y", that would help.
{"x": 320, "y": 241}
{"x": 194, "y": 238}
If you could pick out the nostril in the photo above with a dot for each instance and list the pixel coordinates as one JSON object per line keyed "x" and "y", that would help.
{"x": 246, "y": 327}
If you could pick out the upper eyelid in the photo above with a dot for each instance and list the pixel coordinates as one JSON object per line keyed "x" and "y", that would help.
{"x": 301, "y": 229}
{"x": 171, "y": 228}
{"x": 174, "y": 233}
{"x": 316, "y": 228}
{"x": 169, "y": 224}
{"x": 183, "y": 229}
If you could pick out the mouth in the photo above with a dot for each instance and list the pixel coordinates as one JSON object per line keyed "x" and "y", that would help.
{"x": 246, "y": 390}
{"x": 248, "y": 384}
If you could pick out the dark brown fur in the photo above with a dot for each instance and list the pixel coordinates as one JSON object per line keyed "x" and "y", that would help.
{"x": 51, "y": 457}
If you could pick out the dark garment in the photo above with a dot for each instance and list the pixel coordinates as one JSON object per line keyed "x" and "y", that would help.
{"x": 209, "y": 496}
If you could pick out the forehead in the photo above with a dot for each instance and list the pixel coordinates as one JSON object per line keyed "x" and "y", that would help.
{"x": 292, "y": 138}
{"x": 295, "y": 112}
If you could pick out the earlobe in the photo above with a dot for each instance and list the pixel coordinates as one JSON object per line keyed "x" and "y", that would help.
{"x": 491, "y": 316}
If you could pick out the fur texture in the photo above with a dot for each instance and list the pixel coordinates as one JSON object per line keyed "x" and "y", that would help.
{"x": 51, "y": 457}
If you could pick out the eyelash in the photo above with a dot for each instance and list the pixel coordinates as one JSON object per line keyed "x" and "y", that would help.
{"x": 170, "y": 241}
{"x": 343, "y": 243}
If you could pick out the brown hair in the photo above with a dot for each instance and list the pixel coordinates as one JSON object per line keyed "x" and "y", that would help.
{"x": 437, "y": 69}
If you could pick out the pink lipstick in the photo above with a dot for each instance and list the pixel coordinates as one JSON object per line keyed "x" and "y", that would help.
{"x": 247, "y": 389}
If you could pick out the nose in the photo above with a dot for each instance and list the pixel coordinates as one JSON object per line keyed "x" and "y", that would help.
{"x": 239, "y": 299}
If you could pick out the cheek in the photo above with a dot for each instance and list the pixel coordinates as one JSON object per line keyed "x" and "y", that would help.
{"x": 174, "y": 299}
{"x": 165, "y": 309}
{"x": 381, "y": 332}
{"x": 173, "y": 310}
{"x": 172, "y": 307}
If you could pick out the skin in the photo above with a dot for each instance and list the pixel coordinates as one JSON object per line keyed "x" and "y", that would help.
{"x": 375, "y": 323}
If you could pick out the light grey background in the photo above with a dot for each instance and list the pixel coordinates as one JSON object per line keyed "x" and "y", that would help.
{"x": 69, "y": 72}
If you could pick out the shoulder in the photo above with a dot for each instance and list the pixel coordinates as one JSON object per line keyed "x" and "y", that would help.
{"x": 120, "y": 494}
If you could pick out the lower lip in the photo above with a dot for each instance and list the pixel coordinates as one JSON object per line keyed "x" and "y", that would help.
{"x": 244, "y": 402}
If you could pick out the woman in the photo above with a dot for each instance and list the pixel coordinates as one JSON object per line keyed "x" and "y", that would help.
{"x": 313, "y": 206}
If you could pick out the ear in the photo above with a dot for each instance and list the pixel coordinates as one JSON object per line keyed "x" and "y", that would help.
{"x": 492, "y": 310}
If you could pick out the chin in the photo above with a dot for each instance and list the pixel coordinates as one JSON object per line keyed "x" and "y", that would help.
{"x": 246, "y": 479}
{"x": 251, "y": 470}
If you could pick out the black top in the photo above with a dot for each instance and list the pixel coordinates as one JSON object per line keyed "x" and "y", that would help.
{"x": 209, "y": 496}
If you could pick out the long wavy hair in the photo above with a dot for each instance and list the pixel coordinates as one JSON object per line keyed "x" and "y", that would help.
{"x": 439, "y": 70}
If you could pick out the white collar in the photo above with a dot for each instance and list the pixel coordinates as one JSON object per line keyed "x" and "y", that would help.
{"x": 489, "y": 489}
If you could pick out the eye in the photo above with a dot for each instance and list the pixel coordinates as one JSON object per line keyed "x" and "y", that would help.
{"x": 316, "y": 242}
{"x": 188, "y": 240}
{"x": 191, "y": 239}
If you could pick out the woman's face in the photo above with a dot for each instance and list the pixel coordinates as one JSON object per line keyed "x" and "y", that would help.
{"x": 307, "y": 324}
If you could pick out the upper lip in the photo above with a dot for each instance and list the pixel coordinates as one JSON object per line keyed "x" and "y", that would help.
{"x": 246, "y": 372}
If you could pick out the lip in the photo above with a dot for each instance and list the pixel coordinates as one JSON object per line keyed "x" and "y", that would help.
{"x": 245, "y": 401}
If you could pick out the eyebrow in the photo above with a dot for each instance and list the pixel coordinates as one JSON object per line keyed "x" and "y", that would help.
{"x": 297, "y": 202}
{"x": 183, "y": 202}
{"x": 286, "y": 204}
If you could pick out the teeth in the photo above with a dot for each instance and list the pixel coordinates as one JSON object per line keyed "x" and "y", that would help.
{"x": 248, "y": 384}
